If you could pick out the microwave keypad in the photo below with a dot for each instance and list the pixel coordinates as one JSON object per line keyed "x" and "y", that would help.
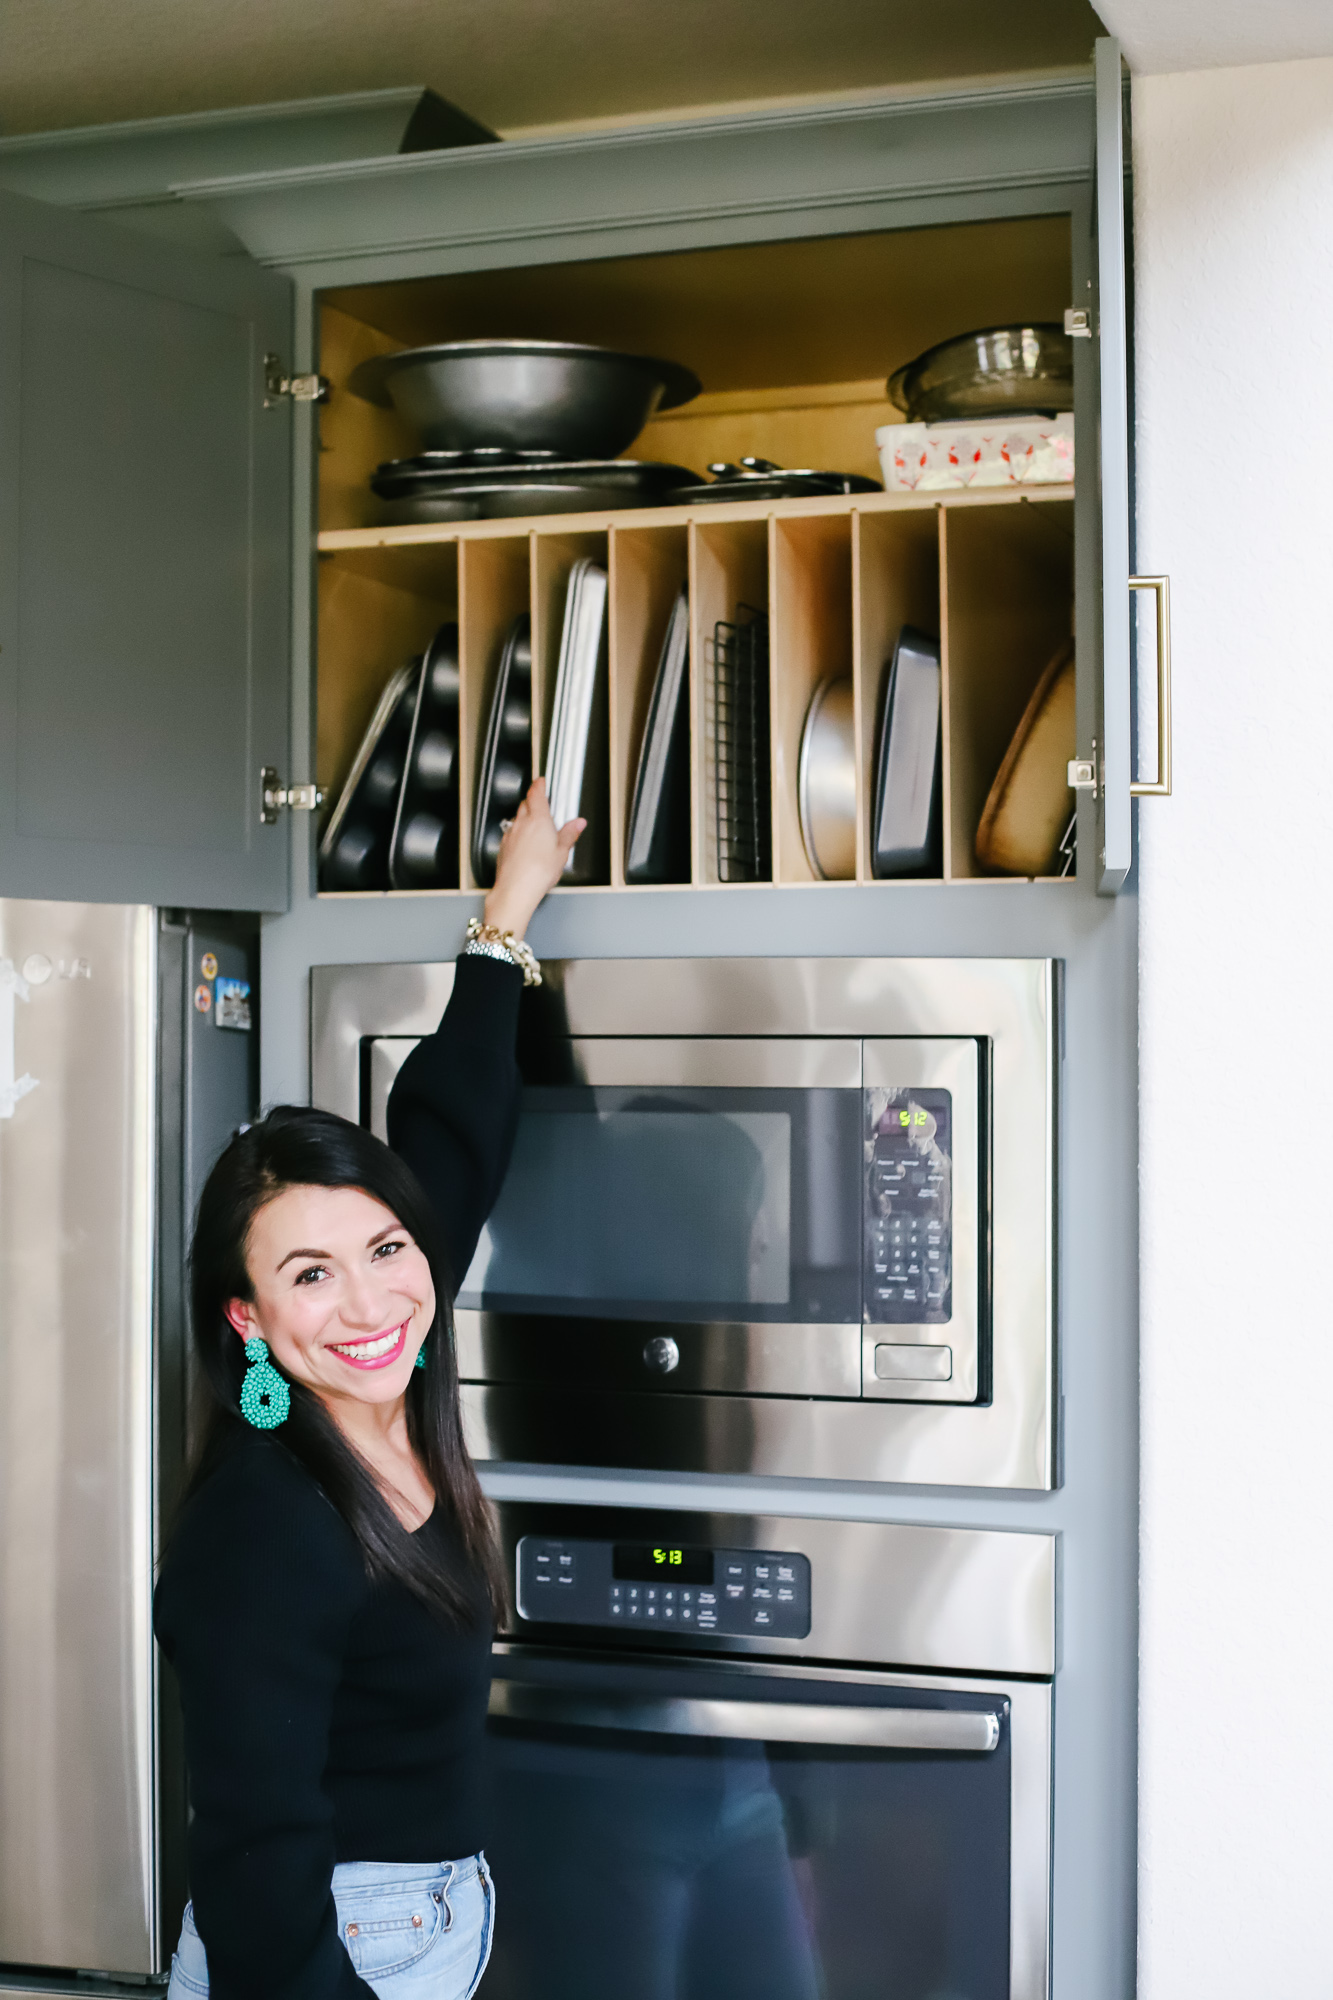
{"x": 754, "y": 1593}
{"x": 908, "y": 1206}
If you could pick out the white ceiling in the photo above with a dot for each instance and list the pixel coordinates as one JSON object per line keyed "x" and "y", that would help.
{"x": 1214, "y": 34}
{"x": 516, "y": 64}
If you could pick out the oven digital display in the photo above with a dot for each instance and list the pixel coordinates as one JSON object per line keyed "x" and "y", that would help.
{"x": 651, "y": 1562}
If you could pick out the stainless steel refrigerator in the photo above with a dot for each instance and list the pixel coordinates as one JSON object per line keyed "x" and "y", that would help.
{"x": 127, "y": 1058}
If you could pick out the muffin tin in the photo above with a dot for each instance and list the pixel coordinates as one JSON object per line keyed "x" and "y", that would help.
{"x": 354, "y": 852}
{"x": 505, "y": 771}
{"x": 424, "y": 853}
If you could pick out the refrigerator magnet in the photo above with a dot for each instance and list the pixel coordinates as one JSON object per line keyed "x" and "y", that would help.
{"x": 232, "y": 1004}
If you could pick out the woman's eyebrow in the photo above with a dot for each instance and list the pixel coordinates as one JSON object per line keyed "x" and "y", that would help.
{"x": 394, "y": 1229}
{"x": 302, "y": 1253}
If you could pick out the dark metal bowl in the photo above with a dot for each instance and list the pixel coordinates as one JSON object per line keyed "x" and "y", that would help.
{"x": 524, "y": 395}
{"x": 999, "y": 371}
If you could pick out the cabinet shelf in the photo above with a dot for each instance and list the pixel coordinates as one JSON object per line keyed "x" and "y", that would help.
{"x": 991, "y": 572}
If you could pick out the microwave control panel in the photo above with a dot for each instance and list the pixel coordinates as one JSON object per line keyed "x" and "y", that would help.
{"x": 661, "y": 1586}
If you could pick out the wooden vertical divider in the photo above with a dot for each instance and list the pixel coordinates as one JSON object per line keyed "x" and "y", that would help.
{"x": 354, "y": 436}
{"x": 372, "y": 615}
{"x": 728, "y": 563}
{"x": 648, "y": 567}
{"x": 810, "y": 621}
{"x": 1008, "y": 594}
{"x": 896, "y": 582}
{"x": 553, "y": 557}
{"x": 493, "y": 582}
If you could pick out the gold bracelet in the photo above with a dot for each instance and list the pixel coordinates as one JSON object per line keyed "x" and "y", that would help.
{"x": 490, "y": 941}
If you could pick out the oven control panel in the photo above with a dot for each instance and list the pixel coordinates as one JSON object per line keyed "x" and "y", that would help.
{"x": 655, "y": 1586}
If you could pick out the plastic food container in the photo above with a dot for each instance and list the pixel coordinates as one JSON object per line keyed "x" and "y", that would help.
{"x": 1017, "y": 451}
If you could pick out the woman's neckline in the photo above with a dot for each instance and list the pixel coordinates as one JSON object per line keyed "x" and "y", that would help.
{"x": 426, "y": 1523}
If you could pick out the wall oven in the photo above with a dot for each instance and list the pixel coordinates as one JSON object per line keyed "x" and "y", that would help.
{"x": 767, "y": 1759}
{"x": 790, "y": 1216}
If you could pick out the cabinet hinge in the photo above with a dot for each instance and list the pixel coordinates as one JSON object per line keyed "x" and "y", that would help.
{"x": 280, "y": 388}
{"x": 274, "y": 796}
{"x": 1083, "y": 774}
{"x": 1078, "y": 322}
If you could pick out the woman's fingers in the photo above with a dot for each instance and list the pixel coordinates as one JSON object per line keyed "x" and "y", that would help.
{"x": 532, "y": 858}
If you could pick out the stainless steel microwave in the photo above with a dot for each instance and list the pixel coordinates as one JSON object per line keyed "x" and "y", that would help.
{"x": 790, "y": 1214}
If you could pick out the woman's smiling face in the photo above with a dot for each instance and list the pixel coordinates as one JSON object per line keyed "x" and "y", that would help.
{"x": 342, "y": 1294}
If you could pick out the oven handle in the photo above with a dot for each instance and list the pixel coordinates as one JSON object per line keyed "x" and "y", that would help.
{"x": 955, "y": 1729}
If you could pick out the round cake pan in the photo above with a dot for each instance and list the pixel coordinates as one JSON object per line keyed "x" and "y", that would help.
{"x": 524, "y": 395}
{"x": 826, "y": 781}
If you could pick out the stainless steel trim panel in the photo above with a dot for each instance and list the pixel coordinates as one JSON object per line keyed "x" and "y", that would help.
{"x": 684, "y": 1420}
{"x": 952, "y": 1599}
{"x": 754, "y": 1721}
{"x": 713, "y": 1357}
{"x": 78, "y": 1833}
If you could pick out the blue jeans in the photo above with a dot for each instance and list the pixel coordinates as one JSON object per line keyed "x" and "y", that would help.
{"x": 413, "y": 1932}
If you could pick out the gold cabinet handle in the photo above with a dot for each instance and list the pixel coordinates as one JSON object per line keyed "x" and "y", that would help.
{"x": 1162, "y": 788}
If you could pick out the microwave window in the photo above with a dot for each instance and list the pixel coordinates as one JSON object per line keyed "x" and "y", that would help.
{"x": 909, "y": 1207}
{"x": 626, "y": 1205}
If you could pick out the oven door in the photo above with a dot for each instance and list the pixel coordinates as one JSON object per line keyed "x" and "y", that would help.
{"x": 717, "y": 1830}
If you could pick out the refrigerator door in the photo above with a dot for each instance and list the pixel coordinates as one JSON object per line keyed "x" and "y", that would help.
{"x": 77, "y": 1749}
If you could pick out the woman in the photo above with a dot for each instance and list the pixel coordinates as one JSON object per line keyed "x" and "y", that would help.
{"x": 328, "y": 1596}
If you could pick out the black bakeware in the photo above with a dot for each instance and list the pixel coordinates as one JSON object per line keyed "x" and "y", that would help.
{"x": 739, "y": 662}
{"x": 505, "y": 770}
{"x": 424, "y": 854}
{"x": 761, "y": 479}
{"x": 657, "y": 846}
{"x": 354, "y": 852}
{"x": 906, "y": 833}
{"x": 482, "y": 486}
{"x": 525, "y": 395}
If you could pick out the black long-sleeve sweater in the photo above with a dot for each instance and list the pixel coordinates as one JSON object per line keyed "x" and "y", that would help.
{"x": 327, "y": 1719}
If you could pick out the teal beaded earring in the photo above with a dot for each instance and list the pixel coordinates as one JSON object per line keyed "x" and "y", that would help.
{"x": 265, "y": 1397}
{"x": 420, "y": 1361}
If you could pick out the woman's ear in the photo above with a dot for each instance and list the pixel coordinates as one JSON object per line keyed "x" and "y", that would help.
{"x": 242, "y": 1316}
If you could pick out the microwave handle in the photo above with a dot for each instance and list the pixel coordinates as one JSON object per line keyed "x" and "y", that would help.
{"x": 953, "y": 1729}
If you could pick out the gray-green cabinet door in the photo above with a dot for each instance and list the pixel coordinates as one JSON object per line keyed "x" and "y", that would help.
{"x": 145, "y": 531}
{"x": 1105, "y": 726}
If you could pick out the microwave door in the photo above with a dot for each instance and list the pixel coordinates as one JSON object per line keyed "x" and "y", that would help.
{"x": 679, "y": 1215}
{"x": 924, "y": 1201}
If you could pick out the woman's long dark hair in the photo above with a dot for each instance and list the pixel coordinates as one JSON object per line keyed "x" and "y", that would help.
{"x": 297, "y": 1147}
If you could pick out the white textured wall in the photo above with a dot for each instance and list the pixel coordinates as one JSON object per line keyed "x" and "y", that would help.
{"x": 1234, "y": 260}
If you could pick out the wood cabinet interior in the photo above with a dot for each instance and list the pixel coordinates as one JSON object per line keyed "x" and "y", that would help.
{"x": 1008, "y": 604}
{"x": 647, "y": 572}
{"x": 728, "y": 576}
{"x": 494, "y": 588}
{"x": 793, "y": 342}
{"x": 895, "y": 582}
{"x": 990, "y": 573}
{"x": 810, "y": 619}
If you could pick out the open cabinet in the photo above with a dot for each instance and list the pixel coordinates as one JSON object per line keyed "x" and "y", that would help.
{"x": 144, "y": 671}
{"x": 793, "y": 341}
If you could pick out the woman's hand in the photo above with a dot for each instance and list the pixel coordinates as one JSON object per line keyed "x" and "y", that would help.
{"x": 532, "y": 859}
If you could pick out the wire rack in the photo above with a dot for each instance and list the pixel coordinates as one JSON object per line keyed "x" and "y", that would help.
{"x": 738, "y": 656}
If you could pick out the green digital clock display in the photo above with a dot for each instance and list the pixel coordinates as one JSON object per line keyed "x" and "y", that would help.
{"x": 659, "y": 1562}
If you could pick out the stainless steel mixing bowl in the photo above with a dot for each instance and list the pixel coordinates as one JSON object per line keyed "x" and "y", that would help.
{"x": 999, "y": 371}
{"x": 524, "y": 395}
